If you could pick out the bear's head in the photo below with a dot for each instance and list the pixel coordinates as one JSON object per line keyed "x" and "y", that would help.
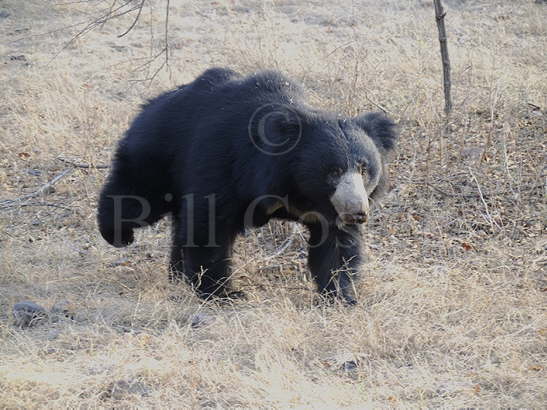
{"x": 342, "y": 164}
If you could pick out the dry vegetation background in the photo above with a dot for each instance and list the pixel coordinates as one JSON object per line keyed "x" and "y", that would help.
{"x": 453, "y": 294}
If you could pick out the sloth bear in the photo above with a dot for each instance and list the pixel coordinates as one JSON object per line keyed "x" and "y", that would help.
{"x": 228, "y": 152}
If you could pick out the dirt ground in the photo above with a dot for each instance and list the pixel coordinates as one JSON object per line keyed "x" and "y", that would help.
{"x": 453, "y": 296}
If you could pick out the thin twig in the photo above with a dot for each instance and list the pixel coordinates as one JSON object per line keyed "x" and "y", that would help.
{"x": 82, "y": 165}
{"x": 487, "y": 210}
{"x": 164, "y": 51}
{"x": 68, "y": 3}
{"x": 109, "y": 12}
{"x": 47, "y": 33}
{"x": 339, "y": 47}
{"x": 9, "y": 202}
{"x": 285, "y": 246}
{"x": 41, "y": 204}
{"x": 166, "y": 41}
{"x": 150, "y": 61}
{"x": 440, "y": 191}
{"x": 134, "y": 21}
{"x": 163, "y": 64}
{"x": 90, "y": 26}
{"x": 476, "y": 195}
{"x": 534, "y": 107}
{"x": 275, "y": 287}
{"x": 376, "y": 104}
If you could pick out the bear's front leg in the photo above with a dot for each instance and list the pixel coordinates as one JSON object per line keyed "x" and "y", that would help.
{"x": 334, "y": 259}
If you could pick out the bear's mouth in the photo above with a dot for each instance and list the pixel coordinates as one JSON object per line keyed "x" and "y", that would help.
{"x": 353, "y": 219}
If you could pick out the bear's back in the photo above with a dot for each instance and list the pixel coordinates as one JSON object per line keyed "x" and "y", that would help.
{"x": 208, "y": 117}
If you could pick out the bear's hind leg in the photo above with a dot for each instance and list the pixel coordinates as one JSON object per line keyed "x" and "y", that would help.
{"x": 202, "y": 249}
{"x": 208, "y": 271}
{"x": 176, "y": 264}
{"x": 208, "y": 267}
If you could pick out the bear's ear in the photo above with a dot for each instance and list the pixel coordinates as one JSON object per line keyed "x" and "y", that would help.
{"x": 380, "y": 128}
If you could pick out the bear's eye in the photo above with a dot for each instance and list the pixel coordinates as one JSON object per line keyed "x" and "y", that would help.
{"x": 337, "y": 172}
{"x": 362, "y": 168}
{"x": 334, "y": 174}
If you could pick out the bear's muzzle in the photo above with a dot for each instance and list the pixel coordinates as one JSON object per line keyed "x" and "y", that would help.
{"x": 350, "y": 199}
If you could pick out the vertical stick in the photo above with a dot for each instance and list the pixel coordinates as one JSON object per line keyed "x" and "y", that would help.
{"x": 439, "y": 17}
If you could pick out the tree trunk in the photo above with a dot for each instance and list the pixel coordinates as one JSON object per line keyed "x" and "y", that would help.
{"x": 439, "y": 17}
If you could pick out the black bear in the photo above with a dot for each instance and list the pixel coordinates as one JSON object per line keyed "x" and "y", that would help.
{"x": 228, "y": 152}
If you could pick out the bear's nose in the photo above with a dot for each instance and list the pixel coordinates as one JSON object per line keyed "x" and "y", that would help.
{"x": 360, "y": 217}
{"x": 350, "y": 199}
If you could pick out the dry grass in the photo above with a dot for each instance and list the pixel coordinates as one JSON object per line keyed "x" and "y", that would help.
{"x": 453, "y": 295}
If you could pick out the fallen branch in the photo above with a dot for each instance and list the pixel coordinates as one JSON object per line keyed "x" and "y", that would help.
{"x": 376, "y": 104}
{"x": 66, "y": 208}
{"x": 81, "y": 164}
{"x": 534, "y": 107}
{"x": 488, "y": 216}
{"x": 478, "y": 195}
{"x": 10, "y": 202}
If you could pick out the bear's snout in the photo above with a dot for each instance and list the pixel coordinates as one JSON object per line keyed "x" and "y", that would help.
{"x": 350, "y": 199}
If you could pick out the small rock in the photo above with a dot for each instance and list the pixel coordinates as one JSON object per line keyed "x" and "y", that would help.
{"x": 120, "y": 262}
{"x": 201, "y": 319}
{"x": 63, "y": 309}
{"x": 49, "y": 190}
{"x": 242, "y": 10}
{"x": 139, "y": 388}
{"x": 20, "y": 57}
{"x": 122, "y": 388}
{"x": 27, "y": 314}
{"x": 345, "y": 361}
{"x": 118, "y": 48}
{"x": 236, "y": 295}
{"x": 472, "y": 153}
{"x": 494, "y": 358}
{"x": 349, "y": 365}
{"x": 53, "y": 334}
{"x": 4, "y": 14}
{"x": 34, "y": 172}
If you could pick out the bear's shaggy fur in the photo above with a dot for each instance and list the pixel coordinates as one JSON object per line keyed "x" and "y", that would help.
{"x": 228, "y": 152}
